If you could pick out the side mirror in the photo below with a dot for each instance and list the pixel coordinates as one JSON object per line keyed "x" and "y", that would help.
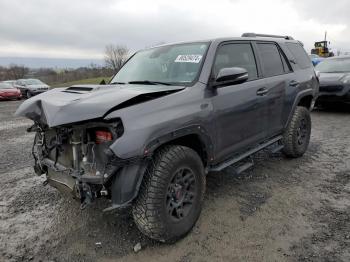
{"x": 231, "y": 76}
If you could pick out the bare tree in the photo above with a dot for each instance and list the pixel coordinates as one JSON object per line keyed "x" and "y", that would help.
{"x": 17, "y": 71}
{"x": 115, "y": 56}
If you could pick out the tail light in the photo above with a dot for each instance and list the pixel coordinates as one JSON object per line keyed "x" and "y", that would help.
{"x": 103, "y": 136}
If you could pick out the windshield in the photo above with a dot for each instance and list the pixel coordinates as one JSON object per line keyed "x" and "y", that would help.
{"x": 33, "y": 82}
{"x": 5, "y": 86}
{"x": 334, "y": 66}
{"x": 172, "y": 64}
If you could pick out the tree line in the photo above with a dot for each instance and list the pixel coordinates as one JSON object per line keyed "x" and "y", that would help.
{"x": 115, "y": 57}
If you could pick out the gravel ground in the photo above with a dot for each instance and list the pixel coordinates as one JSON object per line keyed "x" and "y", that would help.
{"x": 280, "y": 210}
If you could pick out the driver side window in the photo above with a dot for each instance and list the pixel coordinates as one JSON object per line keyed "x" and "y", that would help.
{"x": 236, "y": 55}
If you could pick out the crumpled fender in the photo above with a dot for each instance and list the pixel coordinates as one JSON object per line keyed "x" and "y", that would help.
{"x": 146, "y": 123}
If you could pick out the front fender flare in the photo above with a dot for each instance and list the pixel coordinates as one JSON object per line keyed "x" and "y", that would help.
{"x": 197, "y": 130}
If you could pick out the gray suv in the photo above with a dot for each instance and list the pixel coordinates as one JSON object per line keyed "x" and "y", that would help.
{"x": 172, "y": 114}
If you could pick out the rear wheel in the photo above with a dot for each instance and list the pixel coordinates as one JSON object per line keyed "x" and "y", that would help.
{"x": 28, "y": 94}
{"x": 171, "y": 194}
{"x": 296, "y": 138}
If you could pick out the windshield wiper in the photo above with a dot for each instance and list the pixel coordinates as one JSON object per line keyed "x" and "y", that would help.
{"x": 117, "y": 83}
{"x": 147, "y": 82}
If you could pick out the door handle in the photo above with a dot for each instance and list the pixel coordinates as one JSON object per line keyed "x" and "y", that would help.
{"x": 262, "y": 91}
{"x": 293, "y": 83}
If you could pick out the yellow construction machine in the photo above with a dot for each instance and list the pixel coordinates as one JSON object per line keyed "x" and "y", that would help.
{"x": 321, "y": 48}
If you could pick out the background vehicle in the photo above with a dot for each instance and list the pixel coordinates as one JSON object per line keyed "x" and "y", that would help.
{"x": 31, "y": 87}
{"x": 321, "y": 48}
{"x": 169, "y": 116}
{"x": 334, "y": 80}
{"x": 10, "y": 82}
{"x": 315, "y": 59}
{"x": 8, "y": 92}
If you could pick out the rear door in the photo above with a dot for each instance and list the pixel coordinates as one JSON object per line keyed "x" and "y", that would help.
{"x": 278, "y": 76}
{"x": 305, "y": 75}
{"x": 237, "y": 107}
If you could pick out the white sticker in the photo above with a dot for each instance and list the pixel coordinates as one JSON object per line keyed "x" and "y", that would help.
{"x": 188, "y": 59}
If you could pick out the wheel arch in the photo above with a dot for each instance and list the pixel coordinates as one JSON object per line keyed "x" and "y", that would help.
{"x": 194, "y": 137}
{"x": 305, "y": 99}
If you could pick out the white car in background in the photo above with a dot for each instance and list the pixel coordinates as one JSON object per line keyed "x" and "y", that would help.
{"x": 31, "y": 87}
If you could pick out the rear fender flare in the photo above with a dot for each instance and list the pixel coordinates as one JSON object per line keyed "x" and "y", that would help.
{"x": 302, "y": 94}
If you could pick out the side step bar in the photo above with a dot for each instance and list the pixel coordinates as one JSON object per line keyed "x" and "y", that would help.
{"x": 240, "y": 169}
{"x": 277, "y": 149}
{"x": 246, "y": 154}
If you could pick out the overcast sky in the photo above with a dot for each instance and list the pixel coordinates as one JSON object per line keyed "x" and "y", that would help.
{"x": 81, "y": 29}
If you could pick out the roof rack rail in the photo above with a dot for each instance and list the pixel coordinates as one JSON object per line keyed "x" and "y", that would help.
{"x": 264, "y": 35}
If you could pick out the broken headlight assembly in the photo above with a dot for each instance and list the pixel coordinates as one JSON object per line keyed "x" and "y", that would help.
{"x": 77, "y": 158}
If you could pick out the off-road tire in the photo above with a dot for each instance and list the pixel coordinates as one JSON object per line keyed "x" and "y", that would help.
{"x": 150, "y": 210}
{"x": 296, "y": 137}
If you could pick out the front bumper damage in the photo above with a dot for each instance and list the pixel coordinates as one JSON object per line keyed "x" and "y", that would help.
{"x": 84, "y": 170}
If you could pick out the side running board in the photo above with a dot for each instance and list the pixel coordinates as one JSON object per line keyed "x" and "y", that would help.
{"x": 245, "y": 166}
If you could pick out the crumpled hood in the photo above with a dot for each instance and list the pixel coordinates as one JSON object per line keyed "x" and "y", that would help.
{"x": 331, "y": 78}
{"x": 84, "y": 102}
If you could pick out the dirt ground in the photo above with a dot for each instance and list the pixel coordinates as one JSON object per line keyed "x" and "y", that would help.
{"x": 280, "y": 210}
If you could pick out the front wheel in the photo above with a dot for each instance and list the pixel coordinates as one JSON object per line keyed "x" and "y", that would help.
{"x": 296, "y": 137}
{"x": 171, "y": 194}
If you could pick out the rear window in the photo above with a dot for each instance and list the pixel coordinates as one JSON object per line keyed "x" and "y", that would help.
{"x": 299, "y": 54}
{"x": 270, "y": 59}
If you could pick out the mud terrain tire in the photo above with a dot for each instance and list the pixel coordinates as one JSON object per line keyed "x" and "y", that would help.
{"x": 296, "y": 137}
{"x": 171, "y": 194}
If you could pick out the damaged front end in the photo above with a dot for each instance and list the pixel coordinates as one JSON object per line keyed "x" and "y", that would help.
{"x": 77, "y": 160}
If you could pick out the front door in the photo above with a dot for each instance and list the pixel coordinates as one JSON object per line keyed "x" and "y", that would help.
{"x": 237, "y": 107}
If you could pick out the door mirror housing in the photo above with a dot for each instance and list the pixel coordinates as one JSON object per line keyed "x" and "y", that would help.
{"x": 231, "y": 76}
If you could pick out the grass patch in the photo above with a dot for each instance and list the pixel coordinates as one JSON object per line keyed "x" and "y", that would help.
{"x": 88, "y": 81}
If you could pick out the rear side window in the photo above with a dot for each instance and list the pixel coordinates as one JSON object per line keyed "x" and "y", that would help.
{"x": 271, "y": 59}
{"x": 236, "y": 55}
{"x": 299, "y": 55}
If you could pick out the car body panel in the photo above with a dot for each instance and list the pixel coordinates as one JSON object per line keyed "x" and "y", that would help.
{"x": 90, "y": 103}
{"x": 332, "y": 84}
{"x": 11, "y": 93}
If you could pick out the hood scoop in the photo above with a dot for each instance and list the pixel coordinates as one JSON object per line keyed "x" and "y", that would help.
{"x": 78, "y": 89}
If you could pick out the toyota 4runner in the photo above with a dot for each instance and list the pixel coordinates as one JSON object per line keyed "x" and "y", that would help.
{"x": 172, "y": 114}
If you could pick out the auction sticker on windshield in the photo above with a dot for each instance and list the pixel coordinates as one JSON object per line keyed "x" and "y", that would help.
{"x": 188, "y": 59}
